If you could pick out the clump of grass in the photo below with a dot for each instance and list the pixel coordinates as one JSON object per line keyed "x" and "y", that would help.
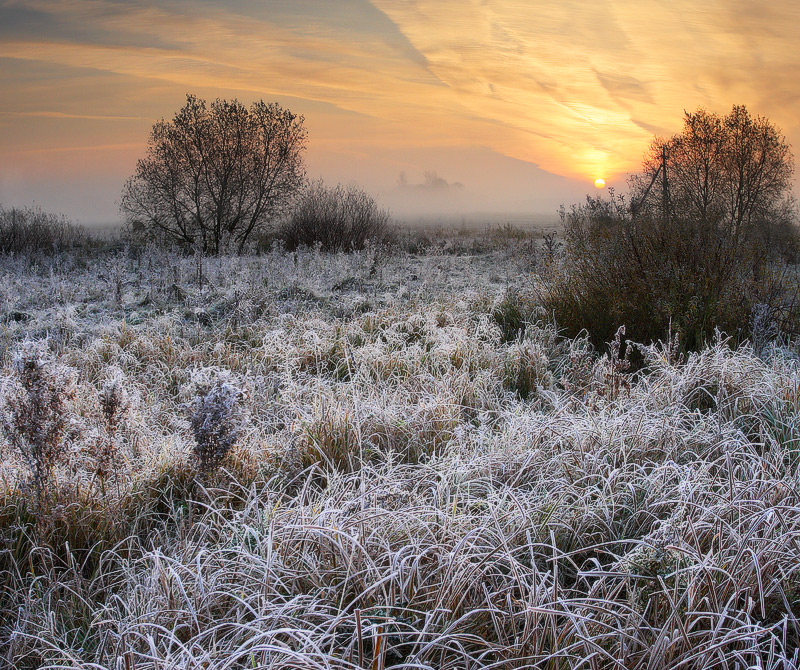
{"x": 509, "y": 314}
{"x": 330, "y": 440}
{"x": 526, "y": 369}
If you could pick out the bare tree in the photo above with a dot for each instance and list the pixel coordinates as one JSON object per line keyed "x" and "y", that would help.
{"x": 733, "y": 171}
{"x": 217, "y": 173}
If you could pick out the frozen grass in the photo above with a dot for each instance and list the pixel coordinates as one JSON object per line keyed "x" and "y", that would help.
{"x": 410, "y": 487}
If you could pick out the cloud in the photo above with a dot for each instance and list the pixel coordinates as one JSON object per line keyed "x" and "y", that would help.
{"x": 624, "y": 87}
{"x": 558, "y": 85}
{"x": 581, "y": 74}
{"x": 63, "y": 115}
{"x": 577, "y": 89}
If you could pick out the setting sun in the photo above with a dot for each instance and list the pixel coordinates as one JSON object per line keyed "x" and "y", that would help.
{"x": 600, "y": 182}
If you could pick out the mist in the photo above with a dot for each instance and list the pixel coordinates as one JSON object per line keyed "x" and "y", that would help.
{"x": 472, "y": 185}
{"x": 465, "y": 185}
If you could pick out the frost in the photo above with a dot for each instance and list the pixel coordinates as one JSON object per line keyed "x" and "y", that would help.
{"x": 216, "y": 422}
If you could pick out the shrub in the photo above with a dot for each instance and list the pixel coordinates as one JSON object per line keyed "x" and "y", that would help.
{"x": 342, "y": 218}
{"x": 216, "y": 424}
{"x": 31, "y": 229}
{"x": 35, "y": 413}
{"x": 652, "y": 275}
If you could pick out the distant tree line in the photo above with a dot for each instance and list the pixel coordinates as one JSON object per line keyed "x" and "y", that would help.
{"x": 432, "y": 183}
{"x": 27, "y": 229}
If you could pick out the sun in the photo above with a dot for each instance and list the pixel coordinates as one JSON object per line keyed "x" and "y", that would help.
{"x": 600, "y": 182}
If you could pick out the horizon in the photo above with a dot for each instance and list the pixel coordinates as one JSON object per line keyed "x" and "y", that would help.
{"x": 520, "y": 105}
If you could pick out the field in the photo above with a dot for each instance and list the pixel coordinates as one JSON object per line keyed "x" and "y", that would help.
{"x": 421, "y": 473}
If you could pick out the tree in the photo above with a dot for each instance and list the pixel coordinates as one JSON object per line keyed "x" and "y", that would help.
{"x": 216, "y": 174}
{"x": 702, "y": 241}
{"x": 733, "y": 172}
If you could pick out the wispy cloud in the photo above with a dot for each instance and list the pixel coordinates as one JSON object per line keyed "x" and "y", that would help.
{"x": 580, "y": 73}
{"x": 63, "y": 115}
{"x": 576, "y": 88}
{"x": 77, "y": 149}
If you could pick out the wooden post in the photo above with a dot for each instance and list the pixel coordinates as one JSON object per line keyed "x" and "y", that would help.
{"x": 664, "y": 185}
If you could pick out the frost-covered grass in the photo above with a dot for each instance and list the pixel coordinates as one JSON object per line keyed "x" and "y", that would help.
{"x": 368, "y": 461}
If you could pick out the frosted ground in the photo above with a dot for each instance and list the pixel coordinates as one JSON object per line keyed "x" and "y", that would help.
{"x": 418, "y": 481}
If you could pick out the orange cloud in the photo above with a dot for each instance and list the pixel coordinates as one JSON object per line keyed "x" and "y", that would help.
{"x": 579, "y": 82}
{"x": 576, "y": 88}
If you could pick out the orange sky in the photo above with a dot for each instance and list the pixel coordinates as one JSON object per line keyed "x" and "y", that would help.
{"x": 525, "y": 103}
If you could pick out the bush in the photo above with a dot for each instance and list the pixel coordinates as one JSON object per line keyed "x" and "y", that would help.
{"x": 31, "y": 229}
{"x": 216, "y": 423}
{"x": 342, "y": 218}
{"x": 653, "y": 275}
{"x": 35, "y": 414}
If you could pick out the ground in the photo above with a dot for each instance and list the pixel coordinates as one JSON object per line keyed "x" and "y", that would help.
{"x": 382, "y": 459}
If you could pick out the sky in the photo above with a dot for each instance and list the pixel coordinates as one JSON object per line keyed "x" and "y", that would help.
{"x": 519, "y": 105}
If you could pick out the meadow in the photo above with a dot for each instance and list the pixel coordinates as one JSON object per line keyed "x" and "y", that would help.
{"x": 381, "y": 459}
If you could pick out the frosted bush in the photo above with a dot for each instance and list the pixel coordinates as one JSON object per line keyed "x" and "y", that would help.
{"x": 115, "y": 403}
{"x": 216, "y": 421}
{"x": 199, "y": 381}
{"x": 35, "y": 410}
